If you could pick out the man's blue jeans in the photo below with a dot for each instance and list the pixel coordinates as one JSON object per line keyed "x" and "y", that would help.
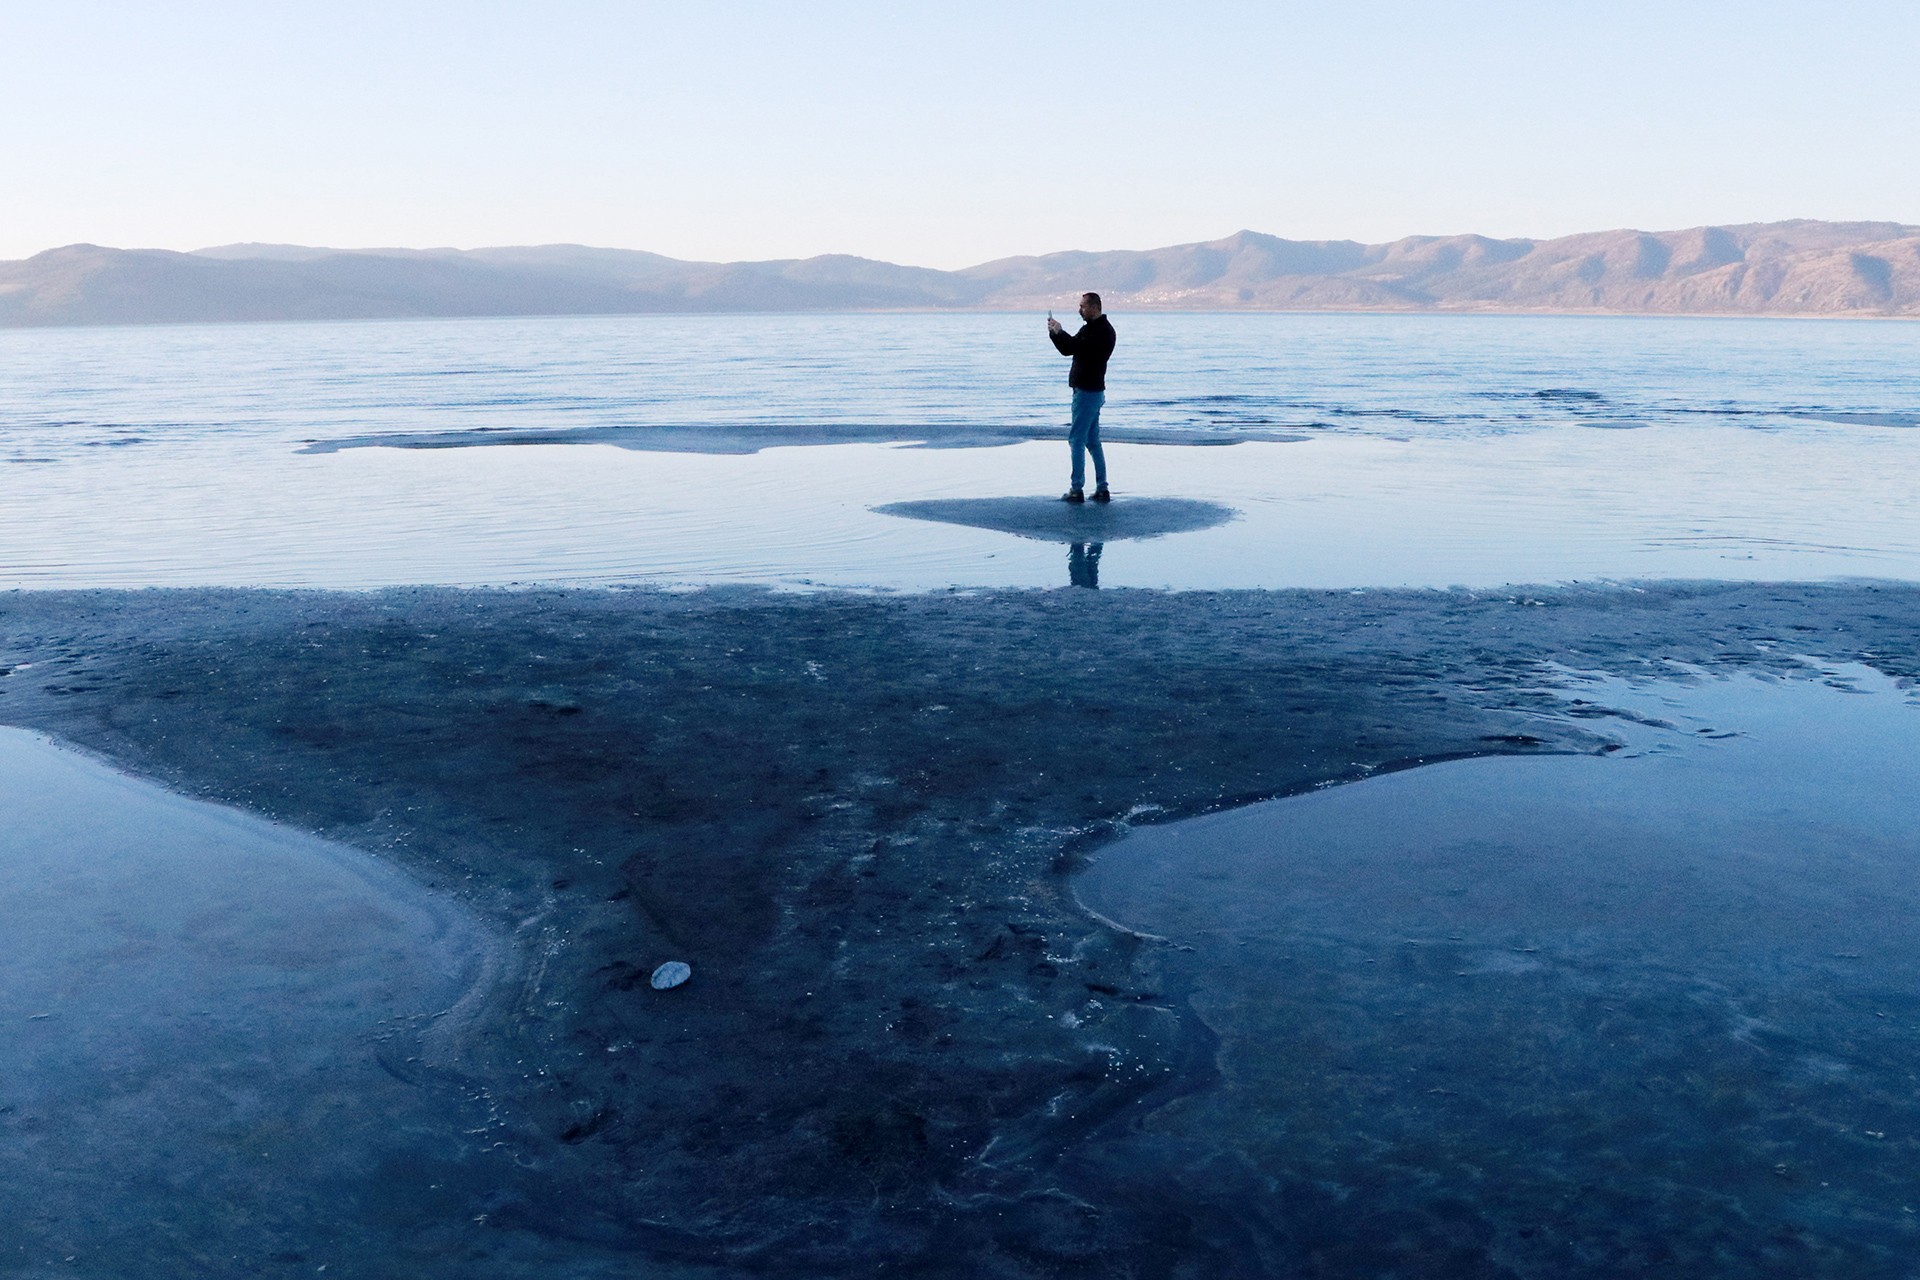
{"x": 1084, "y": 437}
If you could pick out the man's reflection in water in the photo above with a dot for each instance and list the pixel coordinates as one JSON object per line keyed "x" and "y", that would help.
{"x": 1083, "y": 564}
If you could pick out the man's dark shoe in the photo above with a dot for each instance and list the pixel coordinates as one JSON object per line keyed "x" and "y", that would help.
{"x": 1073, "y": 495}
{"x": 1101, "y": 495}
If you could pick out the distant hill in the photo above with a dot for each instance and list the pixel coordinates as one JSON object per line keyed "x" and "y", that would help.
{"x": 1778, "y": 268}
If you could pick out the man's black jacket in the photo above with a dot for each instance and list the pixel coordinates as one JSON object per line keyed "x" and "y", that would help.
{"x": 1090, "y": 349}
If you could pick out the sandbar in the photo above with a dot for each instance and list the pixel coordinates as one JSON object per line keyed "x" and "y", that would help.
{"x": 1051, "y": 520}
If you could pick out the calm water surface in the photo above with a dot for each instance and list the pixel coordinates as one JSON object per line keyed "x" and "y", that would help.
{"x": 1559, "y": 1015}
{"x": 1431, "y": 450}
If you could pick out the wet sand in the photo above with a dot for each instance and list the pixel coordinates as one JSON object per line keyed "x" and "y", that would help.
{"x": 856, "y": 817}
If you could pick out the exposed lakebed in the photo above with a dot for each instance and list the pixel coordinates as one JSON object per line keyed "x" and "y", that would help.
{"x": 905, "y": 1042}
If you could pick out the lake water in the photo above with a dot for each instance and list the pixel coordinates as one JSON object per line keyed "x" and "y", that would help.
{"x": 1561, "y": 1015}
{"x": 212, "y": 1020}
{"x": 1375, "y": 450}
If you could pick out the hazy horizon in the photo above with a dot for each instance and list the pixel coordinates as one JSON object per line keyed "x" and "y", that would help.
{"x": 258, "y": 243}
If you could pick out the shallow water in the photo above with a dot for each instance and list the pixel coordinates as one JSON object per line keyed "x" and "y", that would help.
{"x": 1564, "y": 1015}
{"x": 229, "y": 1048}
{"x": 1432, "y": 451}
{"x": 1560, "y": 1015}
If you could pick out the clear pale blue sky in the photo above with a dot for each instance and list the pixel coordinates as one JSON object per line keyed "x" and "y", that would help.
{"x": 741, "y": 130}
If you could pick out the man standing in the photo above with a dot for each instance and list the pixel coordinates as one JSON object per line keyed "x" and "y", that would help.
{"x": 1090, "y": 349}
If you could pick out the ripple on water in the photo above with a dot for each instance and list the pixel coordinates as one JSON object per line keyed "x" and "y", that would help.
{"x": 197, "y": 998}
{"x": 1442, "y": 450}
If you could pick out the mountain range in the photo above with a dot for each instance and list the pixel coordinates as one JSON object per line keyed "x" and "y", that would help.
{"x": 1797, "y": 268}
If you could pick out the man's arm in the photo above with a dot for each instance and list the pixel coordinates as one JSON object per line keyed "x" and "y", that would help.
{"x": 1063, "y": 341}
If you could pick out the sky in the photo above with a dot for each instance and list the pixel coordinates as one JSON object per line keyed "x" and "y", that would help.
{"x": 941, "y": 136}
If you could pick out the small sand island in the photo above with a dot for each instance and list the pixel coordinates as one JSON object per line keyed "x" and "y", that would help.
{"x": 1050, "y": 520}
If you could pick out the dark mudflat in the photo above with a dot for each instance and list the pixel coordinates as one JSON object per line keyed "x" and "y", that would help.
{"x": 905, "y": 1046}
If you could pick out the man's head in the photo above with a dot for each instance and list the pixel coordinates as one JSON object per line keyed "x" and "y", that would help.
{"x": 1089, "y": 306}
